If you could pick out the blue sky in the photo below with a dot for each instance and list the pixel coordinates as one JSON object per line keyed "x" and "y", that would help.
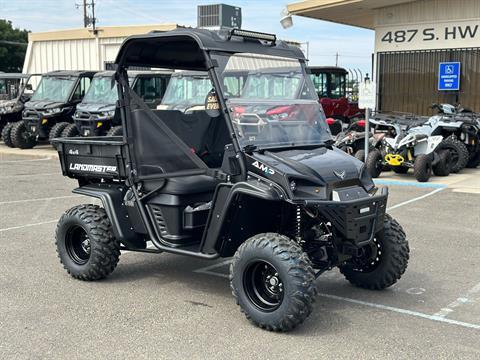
{"x": 353, "y": 45}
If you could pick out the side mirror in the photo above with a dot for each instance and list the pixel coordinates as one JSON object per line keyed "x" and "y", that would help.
{"x": 29, "y": 87}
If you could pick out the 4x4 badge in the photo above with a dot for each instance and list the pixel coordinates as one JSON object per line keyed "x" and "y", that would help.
{"x": 340, "y": 174}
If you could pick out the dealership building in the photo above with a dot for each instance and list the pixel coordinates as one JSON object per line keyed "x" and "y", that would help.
{"x": 80, "y": 49}
{"x": 426, "y": 51}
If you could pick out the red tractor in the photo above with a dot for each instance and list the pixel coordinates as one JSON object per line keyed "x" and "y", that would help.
{"x": 331, "y": 86}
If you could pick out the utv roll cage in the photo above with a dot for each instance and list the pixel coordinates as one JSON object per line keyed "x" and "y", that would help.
{"x": 190, "y": 49}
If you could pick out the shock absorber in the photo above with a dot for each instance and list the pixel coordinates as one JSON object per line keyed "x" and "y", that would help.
{"x": 298, "y": 224}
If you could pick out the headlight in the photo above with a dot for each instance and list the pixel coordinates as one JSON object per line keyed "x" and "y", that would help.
{"x": 53, "y": 111}
{"x": 108, "y": 114}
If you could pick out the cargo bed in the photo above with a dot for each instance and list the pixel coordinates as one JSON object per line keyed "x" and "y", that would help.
{"x": 92, "y": 157}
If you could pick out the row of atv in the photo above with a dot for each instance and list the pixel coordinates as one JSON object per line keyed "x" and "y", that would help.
{"x": 446, "y": 142}
{"x": 69, "y": 104}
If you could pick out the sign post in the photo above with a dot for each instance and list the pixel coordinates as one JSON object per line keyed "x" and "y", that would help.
{"x": 449, "y": 76}
{"x": 367, "y": 98}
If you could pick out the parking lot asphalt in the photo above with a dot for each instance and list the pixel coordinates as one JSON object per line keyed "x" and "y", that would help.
{"x": 166, "y": 306}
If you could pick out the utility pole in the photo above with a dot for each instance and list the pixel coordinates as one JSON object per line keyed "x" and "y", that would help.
{"x": 85, "y": 17}
{"x": 336, "y": 59}
{"x": 88, "y": 20}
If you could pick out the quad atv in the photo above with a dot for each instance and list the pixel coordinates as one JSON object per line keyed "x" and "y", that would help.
{"x": 49, "y": 112}
{"x": 15, "y": 90}
{"x": 460, "y": 129}
{"x": 402, "y": 150}
{"x": 97, "y": 114}
{"x": 283, "y": 203}
{"x": 352, "y": 139}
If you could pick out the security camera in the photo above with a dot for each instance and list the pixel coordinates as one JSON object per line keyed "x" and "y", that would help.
{"x": 286, "y": 19}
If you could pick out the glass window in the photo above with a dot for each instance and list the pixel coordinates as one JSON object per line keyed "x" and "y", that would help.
{"x": 187, "y": 90}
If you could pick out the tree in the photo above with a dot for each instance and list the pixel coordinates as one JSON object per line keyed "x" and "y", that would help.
{"x": 13, "y": 46}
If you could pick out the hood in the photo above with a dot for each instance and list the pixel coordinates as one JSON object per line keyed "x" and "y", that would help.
{"x": 323, "y": 166}
{"x": 95, "y": 107}
{"x": 43, "y": 104}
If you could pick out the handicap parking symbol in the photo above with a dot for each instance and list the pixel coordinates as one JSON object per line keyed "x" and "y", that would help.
{"x": 449, "y": 76}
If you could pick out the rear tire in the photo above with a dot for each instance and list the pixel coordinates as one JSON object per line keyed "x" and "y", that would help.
{"x": 458, "y": 151}
{"x": 273, "y": 282}
{"x": 85, "y": 243}
{"x": 422, "y": 168}
{"x": 443, "y": 167}
{"x": 374, "y": 163}
{"x": 20, "y": 137}
{"x": 6, "y": 135}
{"x": 115, "y": 131}
{"x": 360, "y": 155}
{"x": 474, "y": 160}
{"x": 387, "y": 261}
{"x": 70, "y": 131}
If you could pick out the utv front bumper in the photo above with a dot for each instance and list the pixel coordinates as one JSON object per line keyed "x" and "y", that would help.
{"x": 356, "y": 221}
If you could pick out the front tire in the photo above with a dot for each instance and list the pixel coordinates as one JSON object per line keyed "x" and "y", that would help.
{"x": 384, "y": 262}
{"x": 422, "y": 168}
{"x": 85, "y": 243}
{"x": 20, "y": 137}
{"x": 70, "y": 130}
{"x": 443, "y": 167}
{"x": 374, "y": 163}
{"x": 6, "y": 135}
{"x": 115, "y": 131}
{"x": 56, "y": 131}
{"x": 273, "y": 282}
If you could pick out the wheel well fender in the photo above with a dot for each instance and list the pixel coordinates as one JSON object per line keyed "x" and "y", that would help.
{"x": 239, "y": 212}
{"x": 111, "y": 196}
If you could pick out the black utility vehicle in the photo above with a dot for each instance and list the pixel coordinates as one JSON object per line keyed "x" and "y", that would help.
{"x": 283, "y": 202}
{"x": 98, "y": 115}
{"x": 15, "y": 90}
{"x": 49, "y": 112}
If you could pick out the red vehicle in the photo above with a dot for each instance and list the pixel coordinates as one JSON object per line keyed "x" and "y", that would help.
{"x": 331, "y": 86}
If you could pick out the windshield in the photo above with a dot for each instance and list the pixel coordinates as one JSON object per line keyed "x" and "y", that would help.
{"x": 101, "y": 91}
{"x": 56, "y": 89}
{"x": 187, "y": 90}
{"x": 278, "y": 106}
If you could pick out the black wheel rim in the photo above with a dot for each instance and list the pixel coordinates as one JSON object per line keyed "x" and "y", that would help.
{"x": 78, "y": 245}
{"x": 369, "y": 258}
{"x": 263, "y": 286}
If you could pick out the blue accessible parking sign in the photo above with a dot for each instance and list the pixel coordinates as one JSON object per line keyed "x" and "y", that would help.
{"x": 449, "y": 76}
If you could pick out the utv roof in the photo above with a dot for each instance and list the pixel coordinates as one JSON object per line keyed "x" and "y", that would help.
{"x": 134, "y": 73}
{"x": 13, "y": 75}
{"x": 319, "y": 69}
{"x": 69, "y": 73}
{"x": 185, "y": 48}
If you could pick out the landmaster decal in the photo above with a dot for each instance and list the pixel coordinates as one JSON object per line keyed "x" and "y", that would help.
{"x": 93, "y": 168}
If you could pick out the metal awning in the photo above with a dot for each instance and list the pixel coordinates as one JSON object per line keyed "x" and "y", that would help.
{"x": 360, "y": 13}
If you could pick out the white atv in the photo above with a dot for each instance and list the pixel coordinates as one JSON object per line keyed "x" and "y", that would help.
{"x": 410, "y": 150}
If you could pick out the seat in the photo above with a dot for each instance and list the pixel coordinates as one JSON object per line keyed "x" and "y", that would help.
{"x": 189, "y": 185}
{"x": 183, "y": 185}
